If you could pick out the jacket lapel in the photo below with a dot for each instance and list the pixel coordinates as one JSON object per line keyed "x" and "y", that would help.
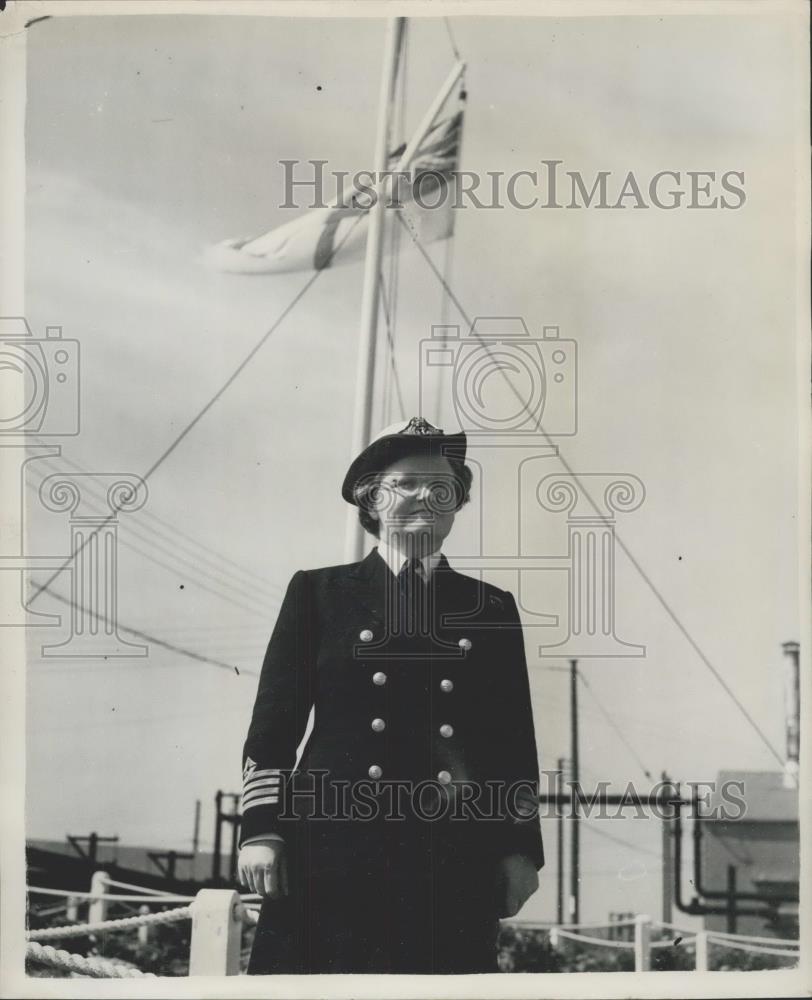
{"x": 369, "y": 584}
{"x": 366, "y": 585}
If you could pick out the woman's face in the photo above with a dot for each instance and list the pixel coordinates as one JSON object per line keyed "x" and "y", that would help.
{"x": 415, "y": 503}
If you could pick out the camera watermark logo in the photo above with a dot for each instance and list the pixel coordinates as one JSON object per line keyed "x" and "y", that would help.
{"x": 40, "y": 379}
{"x": 40, "y": 398}
{"x": 514, "y": 393}
{"x": 542, "y": 373}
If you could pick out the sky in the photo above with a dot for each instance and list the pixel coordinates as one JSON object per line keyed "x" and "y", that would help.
{"x": 149, "y": 138}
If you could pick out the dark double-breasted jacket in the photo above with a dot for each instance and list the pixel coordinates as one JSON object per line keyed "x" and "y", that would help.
{"x": 439, "y": 715}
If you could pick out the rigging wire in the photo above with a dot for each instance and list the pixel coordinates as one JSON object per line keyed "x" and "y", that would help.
{"x": 448, "y": 255}
{"x": 153, "y": 639}
{"x": 143, "y": 535}
{"x": 147, "y": 720}
{"x": 220, "y": 392}
{"x": 393, "y": 367}
{"x": 620, "y": 840}
{"x": 452, "y": 40}
{"x": 438, "y": 275}
{"x": 171, "y": 647}
{"x": 389, "y": 300}
{"x": 645, "y": 577}
{"x": 176, "y": 533}
{"x": 614, "y": 726}
{"x": 196, "y": 582}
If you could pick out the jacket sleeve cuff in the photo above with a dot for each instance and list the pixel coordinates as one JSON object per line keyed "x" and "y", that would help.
{"x": 261, "y": 788}
{"x": 263, "y": 838}
{"x": 526, "y": 839}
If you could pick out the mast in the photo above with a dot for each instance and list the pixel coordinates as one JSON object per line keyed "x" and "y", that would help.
{"x": 374, "y": 251}
{"x": 354, "y": 546}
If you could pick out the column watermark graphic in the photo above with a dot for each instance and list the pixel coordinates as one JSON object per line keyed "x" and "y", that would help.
{"x": 94, "y": 561}
{"x": 41, "y": 379}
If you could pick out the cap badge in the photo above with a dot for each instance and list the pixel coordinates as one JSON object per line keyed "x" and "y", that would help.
{"x": 419, "y": 426}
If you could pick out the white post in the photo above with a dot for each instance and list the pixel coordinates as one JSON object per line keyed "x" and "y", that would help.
{"x": 553, "y": 937}
{"x": 144, "y": 929}
{"x": 98, "y": 906}
{"x": 216, "y": 933}
{"x": 72, "y": 910}
{"x": 701, "y": 947}
{"x": 642, "y": 943}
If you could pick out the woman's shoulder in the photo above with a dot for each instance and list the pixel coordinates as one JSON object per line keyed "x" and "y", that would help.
{"x": 322, "y": 575}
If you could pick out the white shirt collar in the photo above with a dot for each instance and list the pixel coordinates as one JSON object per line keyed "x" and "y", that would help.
{"x": 395, "y": 559}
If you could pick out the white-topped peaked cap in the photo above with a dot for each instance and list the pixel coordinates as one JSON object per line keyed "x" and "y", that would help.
{"x": 416, "y": 437}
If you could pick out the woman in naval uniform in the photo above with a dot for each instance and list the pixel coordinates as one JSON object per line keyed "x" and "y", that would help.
{"x": 404, "y": 832}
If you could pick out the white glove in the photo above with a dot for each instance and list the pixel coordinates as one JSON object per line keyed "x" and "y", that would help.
{"x": 263, "y": 868}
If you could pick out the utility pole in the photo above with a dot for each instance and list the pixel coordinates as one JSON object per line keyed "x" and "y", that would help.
{"x": 234, "y": 819}
{"x": 218, "y": 837}
{"x": 93, "y": 841}
{"x": 166, "y": 862}
{"x": 559, "y": 825}
{"x": 731, "y": 899}
{"x": 667, "y": 857}
{"x": 792, "y": 706}
{"x": 575, "y": 845}
{"x": 223, "y": 817}
{"x": 196, "y": 833}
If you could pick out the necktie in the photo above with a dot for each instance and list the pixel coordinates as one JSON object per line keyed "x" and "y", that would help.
{"x": 412, "y": 591}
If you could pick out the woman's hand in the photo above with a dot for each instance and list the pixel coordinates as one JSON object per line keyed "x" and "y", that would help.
{"x": 263, "y": 868}
{"x": 517, "y": 880}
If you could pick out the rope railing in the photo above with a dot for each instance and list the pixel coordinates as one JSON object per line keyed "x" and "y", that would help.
{"x": 121, "y": 924}
{"x": 550, "y": 924}
{"x": 86, "y": 965}
{"x": 249, "y": 897}
{"x": 586, "y": 939}
{"x": 108, "y": 897}
{"x": 684, "y": 942}
{"x": 755, "y": 939}
{"x": 672, "y": 927}
{"x": 757, "y": 949}
{"x": 145, "y": 890}
{"x": 697, "y": 941}
{"x": 219, "y": 915}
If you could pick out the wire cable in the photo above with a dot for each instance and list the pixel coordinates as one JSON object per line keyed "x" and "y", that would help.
{"x": 228, "y": 382}
{"x": 176, "y": 533}
{"x": 452, "y": 41}
{"x": 620, "y": 840}
{"x": 624, "y": 548}
{"x": 149, "y": 638}
{"x": 392, "y": 360}
{"x": 259, "y": 609}
{"x": 621, "y": 735}
{"x": 389, "y": 295}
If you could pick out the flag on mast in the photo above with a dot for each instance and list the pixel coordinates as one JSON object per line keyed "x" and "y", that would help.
{"x": 327, "y": 237}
